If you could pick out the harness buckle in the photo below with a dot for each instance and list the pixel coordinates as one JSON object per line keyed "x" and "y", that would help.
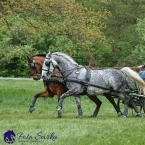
{"x": 77, "y": 72}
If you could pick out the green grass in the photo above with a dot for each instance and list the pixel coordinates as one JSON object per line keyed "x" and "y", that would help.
{"x": 106, "y": 129}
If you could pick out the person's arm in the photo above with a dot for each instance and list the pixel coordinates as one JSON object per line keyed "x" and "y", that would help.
{"x": 141, "y": 66}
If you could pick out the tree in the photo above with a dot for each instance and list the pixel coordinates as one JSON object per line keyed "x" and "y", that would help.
{"x": 121, "y": 28}
{"x": 138, "y": 53}
{"x": 26, "y": 21}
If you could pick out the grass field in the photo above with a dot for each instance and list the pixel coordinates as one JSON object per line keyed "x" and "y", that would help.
{"x": 41, "y": 127}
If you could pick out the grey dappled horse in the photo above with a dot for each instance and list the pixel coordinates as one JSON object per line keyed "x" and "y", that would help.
{"x": 77, "y": 80}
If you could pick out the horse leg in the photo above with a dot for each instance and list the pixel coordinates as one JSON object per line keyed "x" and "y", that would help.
{"x": 59, "y": 91}
{"x": 63, "y": 96}
{"x": 135, "y": 109}
{"x": 126, "y": 101}
{"x": 32, "y": 104}
{"x": 78, "y": 102}
{"x": 98, "y": 105}
{"x": 111, "y": 100}
{"x": 61, "y": 112}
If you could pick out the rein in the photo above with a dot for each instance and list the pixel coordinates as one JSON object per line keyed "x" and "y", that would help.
{"x": 90, "y": 84}
{"x": 93, "y": 68}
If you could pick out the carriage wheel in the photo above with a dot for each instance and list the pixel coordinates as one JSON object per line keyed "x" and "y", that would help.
{"x": 143, "y": 105}
{"x": 139, "y": 104}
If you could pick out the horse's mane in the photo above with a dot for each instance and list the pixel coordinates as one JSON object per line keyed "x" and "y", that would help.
{"x": 43, "y": 55}
{"x": 65, "y": 56}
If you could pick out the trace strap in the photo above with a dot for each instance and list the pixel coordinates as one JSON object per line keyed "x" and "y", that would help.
{"x": 89, "y": 84}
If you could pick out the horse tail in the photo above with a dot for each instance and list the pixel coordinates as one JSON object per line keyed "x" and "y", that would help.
{"x": 130, "y": 74}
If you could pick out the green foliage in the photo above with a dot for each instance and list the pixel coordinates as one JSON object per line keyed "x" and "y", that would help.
{"x": 15, "y": 68}
{"x": 42, "y": 44}
{"x": 67, "y": 18}
{"x": 103, "y": 56}
{"x": 121, "y": 30}
{"x": 13, "y": 59}
{"x": 137, "y": 53}
{"x": 101, "y": 33}
{"x": 40, "y": 26}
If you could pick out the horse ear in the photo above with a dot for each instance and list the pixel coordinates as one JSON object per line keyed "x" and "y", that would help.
{"x": 27, "y": 58}
{"x": 49, "y": 54}
{"x": 58, "y": 67}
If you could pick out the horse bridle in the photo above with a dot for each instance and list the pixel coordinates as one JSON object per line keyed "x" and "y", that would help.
{"x": 32, "y": 63}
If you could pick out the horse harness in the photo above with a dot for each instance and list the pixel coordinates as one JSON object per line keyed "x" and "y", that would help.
{"x": 85, "y": 82}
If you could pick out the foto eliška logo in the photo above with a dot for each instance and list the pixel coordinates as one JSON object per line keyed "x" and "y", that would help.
{"x": 10, "y": 137}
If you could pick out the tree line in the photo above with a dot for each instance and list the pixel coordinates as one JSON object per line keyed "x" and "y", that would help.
{"x": 103, "y": 33}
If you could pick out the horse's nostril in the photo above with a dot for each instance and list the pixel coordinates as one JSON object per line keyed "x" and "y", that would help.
{"x": 35, "y": 79}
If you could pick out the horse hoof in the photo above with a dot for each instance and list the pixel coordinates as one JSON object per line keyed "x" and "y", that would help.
{"x": 60, "y": 112}
{"x": 139, "y": 115}
{"x": 58, "y": 117}
{"x": 92, "y": 116}
{"x": 79, "y": 117}
{"x": 122, "y": 116}
{"x": 119, "y": 114}
{"x": 31, "y": 110}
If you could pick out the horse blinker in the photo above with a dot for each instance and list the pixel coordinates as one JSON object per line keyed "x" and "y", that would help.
{"x": 47, "y": 63}
{"x": 33, "y": 66}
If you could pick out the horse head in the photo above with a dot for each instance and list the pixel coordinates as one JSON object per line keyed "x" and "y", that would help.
{"x": 35, "y": 65}
{"x": 57, "y": 60}
{"x": 49, "y": 66}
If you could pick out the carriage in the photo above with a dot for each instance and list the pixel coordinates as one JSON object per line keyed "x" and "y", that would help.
{"x": 132, "y": 89}
{"x": 136, "y": 95}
